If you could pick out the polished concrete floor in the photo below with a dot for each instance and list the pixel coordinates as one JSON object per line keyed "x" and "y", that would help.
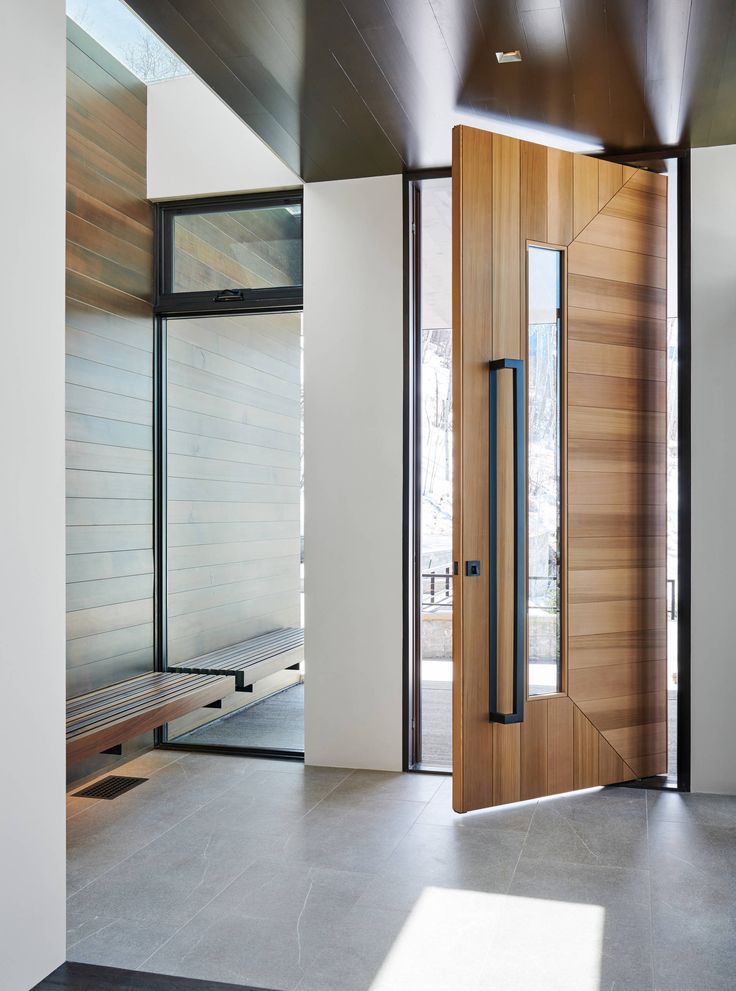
{"x": 319, "y": 879}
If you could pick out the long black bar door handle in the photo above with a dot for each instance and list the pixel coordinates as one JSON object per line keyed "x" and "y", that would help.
{"x": 516, "y": 367}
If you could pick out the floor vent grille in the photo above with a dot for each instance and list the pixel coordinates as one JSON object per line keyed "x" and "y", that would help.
{"x": 110, "y": 787}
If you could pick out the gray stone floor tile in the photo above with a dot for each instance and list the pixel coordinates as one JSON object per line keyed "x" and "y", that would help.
{"x": 351, "y": 838}
{"x": 232, "y": 950}
{"x": 367, "y": 785}
{"x": 113, "y": 942}
{"x": 568, "y": 832}
{"x": 359, "y": 951}
{"x": 600, "y": 803}
{"x": 109, "y": 833}
{"x": 266, "y": 788}
{"x": 693, "y": 950}
{"x": 150, "y": 763}
{"x": 439, "y": 812}
{"x": 76, "y": 806}
{"x": 623, "y": 894}
{"x": 693, "y": 865}
{"x": 445, "y": 855}
{"x": 304, "y": 905}
{"x": 169, "y": 880}
{"x": 714, "y": 810}
{"x": 327, "y": 879}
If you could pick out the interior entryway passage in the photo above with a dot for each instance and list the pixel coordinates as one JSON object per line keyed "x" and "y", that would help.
{"x": 273, "y": 874}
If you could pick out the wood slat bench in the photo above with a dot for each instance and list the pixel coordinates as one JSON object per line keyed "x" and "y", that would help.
{"x": 252, "y": 659}
{"x": 106, "y": 718}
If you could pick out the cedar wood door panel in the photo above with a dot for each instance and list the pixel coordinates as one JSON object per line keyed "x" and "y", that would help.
{"x": 609, "y": 724}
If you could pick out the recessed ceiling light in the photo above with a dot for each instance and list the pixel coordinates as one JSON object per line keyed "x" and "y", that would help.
{"x": 509, "y": 56}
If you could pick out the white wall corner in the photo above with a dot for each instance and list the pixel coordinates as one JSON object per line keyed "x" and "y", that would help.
{"x": 353, "y": 381}
{"x": 713, "y": 225}
{"x": 32, "y": 579}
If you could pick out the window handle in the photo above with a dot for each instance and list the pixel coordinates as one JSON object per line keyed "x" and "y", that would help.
{"x": 228, "y": 295}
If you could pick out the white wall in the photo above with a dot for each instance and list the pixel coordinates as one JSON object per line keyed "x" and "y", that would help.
{"x": 353, "y": 375}
{"x": 32, "y": 749}
{"x": 713, "y": 469}
{"x": 197, "y": 146}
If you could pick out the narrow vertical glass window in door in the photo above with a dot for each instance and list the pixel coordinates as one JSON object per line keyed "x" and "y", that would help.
{"x": 544, "y": 371}
{"x": 433, "y": 385}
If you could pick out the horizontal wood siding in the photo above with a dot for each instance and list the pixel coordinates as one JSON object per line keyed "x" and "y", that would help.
{"x": 109, "y": 337}
{"x": 234, "y": 423}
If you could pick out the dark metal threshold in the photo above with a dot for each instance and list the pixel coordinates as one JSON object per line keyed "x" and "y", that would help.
{"x": 206, "y": 748}
{"x": 83, "y": 977}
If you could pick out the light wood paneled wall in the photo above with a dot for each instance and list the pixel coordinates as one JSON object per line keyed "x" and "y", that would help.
{"x": 610, "y": 724}
{"x": 109, "y": 338}
{"x": 234, "y": 425}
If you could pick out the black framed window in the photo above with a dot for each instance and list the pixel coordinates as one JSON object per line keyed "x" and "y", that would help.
{"x": 230, "y": 253}
{"x": 228, "y": 518}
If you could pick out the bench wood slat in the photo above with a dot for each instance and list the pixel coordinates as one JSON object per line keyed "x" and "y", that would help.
{"x": 137, "y": 701}
{"x": 257, "y": 649}
{"x": 243, "y": 656}
{"x": 128, "y": 689}
{"x": 109, "y": 716}
{"x": 286, "y": 644}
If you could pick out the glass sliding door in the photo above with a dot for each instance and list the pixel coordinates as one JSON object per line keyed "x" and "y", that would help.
{"x": 544, "y": 370}
{"x": 234, "y": 520}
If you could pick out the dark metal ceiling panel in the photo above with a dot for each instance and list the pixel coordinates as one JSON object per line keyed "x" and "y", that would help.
{"x": 342, "y": 88}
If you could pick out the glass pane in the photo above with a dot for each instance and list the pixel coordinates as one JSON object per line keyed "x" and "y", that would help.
{"x": 435, "y": 481}
{"x": 253, "y": 248}
{"x": 127, "y": 38}
{"x": 235, "y": 568}
{"x": 544, "y": 454}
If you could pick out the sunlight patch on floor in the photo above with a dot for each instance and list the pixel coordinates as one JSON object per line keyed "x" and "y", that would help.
{"x": 475, "y": 940}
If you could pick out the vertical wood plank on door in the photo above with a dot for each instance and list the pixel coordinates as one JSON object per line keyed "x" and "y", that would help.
{"x": 534, "y": 732}
{"x": 585, "y": 191}
{"x": 472, "y": 348}
{"x": 559, "y": 197}
{"x": 611, "y": 767}
{"x": 610, "y": 180}
{"x": 559, "y": 745}
{"x": 533, "y": 199}
{"x": 506, "y": 763}
{"x": 507, "y": 248}
{"x": 585, "y": 751}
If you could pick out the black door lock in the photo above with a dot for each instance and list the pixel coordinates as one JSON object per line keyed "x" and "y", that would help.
{"x": 472, "y": 569}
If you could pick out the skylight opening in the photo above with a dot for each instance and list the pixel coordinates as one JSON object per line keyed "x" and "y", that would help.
{"x": 127, "y": 38}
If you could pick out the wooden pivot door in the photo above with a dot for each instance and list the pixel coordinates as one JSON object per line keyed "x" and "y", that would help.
{"x": 603, "y": 716}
